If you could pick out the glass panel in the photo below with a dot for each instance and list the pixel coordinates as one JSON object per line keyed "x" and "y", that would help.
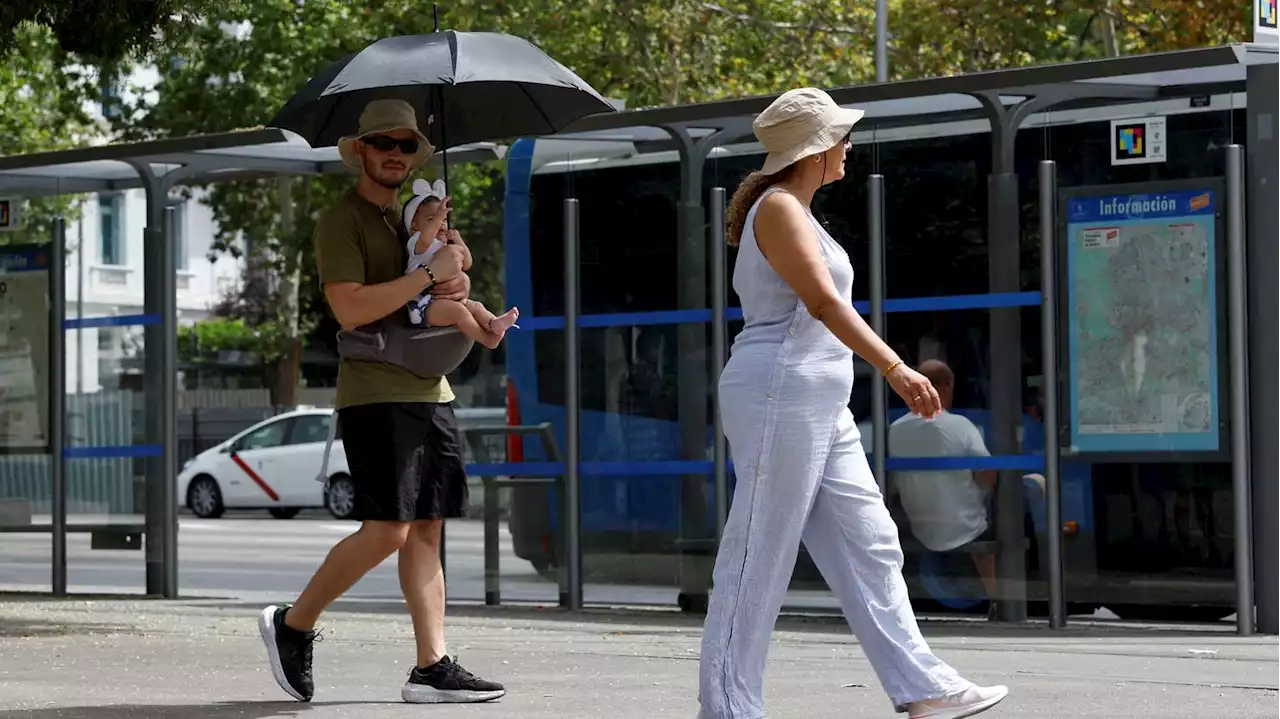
{"x": 521, "y": 576}
{"x": 1147, "y": 537}
{"x": 1159, "y": 545}
{"x": 25, "y": 487}
{"x": 646, "y": 492}
{"x": 106, "y": 478}
{"x": 26, "y": 544}
{"x": 948, "y": 517}
{"x": 627, "y": 240}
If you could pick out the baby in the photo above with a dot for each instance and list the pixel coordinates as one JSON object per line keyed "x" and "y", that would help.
{"x": 426, "y": 216}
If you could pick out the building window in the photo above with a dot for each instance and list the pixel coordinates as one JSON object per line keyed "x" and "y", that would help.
{"x": 179, "y": 234}
{"x": 110, "y": 227}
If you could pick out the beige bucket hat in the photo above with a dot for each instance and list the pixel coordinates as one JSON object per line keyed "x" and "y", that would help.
{"x": 381, "y": 116}
{"x": 800, "y": 123}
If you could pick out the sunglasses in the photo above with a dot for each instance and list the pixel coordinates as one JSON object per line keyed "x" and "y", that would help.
{"x": 382, "y": 143}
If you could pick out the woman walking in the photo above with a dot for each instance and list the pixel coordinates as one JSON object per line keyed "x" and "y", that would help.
{"x": 802, "y": 474}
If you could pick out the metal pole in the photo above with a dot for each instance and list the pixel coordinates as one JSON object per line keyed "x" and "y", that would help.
{"x": 492, "y": 573}
{"x": 1262, "y": 223}
{"x": 1237, "y": 356}
{"x": 1005, "y": 399}
{"x": 80, "y": 302}
{"x": 1049, "y": 351}
{"x": 152, "y": 381}
{"x": 875, "y": 266}
{"x": 167, "y": 285}
{"x": 57, "y": 403}
{"x": 719, "y": 345}
{"x": 572, "y": 594}
{"x": 882, "y": 41}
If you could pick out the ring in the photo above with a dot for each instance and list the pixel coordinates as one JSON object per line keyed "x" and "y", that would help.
{"x": 918, "y": 398}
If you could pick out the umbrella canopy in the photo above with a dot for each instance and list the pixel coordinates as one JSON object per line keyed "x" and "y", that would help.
{"x": 465, "y": 87}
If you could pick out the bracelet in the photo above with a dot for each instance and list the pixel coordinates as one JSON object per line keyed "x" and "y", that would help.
{"x": 430, "y": 276}
{"x": 890, "y": 368}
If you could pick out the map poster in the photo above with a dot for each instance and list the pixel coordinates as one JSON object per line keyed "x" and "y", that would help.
{"x": 1141, "y": 318}
{"x": 24, "y": 349}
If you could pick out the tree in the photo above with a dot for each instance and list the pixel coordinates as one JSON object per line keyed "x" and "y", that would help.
{"x": 939, "y": 39}
{"x": 42, "y": 93}
{"x": 238, "y": 66}
{"x": 1174, "y": 24}
{"x": 103, "y": 32}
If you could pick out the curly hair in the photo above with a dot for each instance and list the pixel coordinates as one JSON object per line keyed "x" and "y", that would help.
{"x": 750, "y": 190}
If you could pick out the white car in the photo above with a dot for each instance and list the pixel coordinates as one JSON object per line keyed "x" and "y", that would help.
{"x": 273, "y": 465}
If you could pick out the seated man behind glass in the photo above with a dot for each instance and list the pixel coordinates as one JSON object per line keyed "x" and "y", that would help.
{"x": 947, "y": 509}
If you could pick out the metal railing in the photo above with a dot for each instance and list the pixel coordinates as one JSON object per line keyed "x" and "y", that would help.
{"x": 570, "y": 576}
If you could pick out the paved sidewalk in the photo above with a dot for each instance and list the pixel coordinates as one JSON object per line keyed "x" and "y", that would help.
{"x": 115, "y": 659}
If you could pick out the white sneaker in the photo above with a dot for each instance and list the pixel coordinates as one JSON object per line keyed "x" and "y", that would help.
{"x": 973, "y": 700}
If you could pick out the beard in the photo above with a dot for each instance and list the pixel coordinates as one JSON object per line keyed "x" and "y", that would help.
{"x": 390, "y": 178}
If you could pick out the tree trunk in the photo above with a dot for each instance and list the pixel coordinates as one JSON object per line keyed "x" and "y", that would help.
{"x": 1108, "y": 30}
{"x": 284, "y": 390}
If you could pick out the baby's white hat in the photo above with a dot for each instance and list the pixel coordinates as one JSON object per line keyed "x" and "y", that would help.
{"x": 422, "y": 190}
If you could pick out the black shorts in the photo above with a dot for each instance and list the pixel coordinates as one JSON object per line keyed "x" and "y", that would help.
{"x": 405, "y": 460}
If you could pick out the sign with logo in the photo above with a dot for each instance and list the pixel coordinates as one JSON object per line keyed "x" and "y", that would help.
{"x": 1138, "y": 142}
{"x": 1264, "y": 22}
{"x": 10, "y": 208}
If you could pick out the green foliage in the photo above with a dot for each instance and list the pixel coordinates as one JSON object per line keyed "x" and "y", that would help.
{"x": 41, "y": 93}
{"x": 239, "y": 64}
{"x": 681, "y": 51}
{"x": 205, "y": 340}
{"x": 99, "y": 31}
{"x": 1143, "y": 27}
{"x": 945, "y": 38}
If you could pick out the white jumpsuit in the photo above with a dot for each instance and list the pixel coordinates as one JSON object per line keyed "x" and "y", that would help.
{"x": 802, "y": 474}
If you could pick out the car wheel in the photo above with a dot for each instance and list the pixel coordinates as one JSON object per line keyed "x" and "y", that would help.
{"x": 340, "y": 496}
{"x": 204, "y": 498}
{"x": 284, "y": 512}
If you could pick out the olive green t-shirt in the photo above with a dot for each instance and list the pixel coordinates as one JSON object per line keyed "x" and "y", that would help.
{"x": 358, "y": 241}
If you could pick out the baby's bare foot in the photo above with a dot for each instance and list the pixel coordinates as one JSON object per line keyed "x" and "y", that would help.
{"x": 503, "y": 322}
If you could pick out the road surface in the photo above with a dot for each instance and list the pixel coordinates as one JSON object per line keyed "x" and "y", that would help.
{"x": 248, "y": 555}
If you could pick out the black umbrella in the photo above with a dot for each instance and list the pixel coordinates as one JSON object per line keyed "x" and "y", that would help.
{"x": 464, "y": 86}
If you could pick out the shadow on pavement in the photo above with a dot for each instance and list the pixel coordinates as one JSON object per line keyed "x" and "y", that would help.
{"x": 662, "y": 619}
{"x": 43, "y": 628}
{"x": 223, "y": 710}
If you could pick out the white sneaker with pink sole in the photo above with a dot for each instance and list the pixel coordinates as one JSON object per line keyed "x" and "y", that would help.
{"x": 967, "y": 703}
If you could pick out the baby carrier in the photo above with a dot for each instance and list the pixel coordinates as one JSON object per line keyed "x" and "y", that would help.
{"x": 424, "y": 351}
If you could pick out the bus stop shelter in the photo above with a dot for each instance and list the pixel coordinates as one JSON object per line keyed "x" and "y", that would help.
{"x": 157, "y": 167}
{"x": 1005, "y": 99}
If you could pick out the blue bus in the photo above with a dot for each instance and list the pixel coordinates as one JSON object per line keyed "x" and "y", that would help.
{"x": 1146, "y": 540}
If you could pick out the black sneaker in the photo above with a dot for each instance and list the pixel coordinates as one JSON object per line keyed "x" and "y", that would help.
{"x": 289, "y": 651}
{"x": 446, "y": 682}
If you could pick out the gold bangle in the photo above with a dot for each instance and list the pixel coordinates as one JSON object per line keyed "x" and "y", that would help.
{"x": 890, "y": 368}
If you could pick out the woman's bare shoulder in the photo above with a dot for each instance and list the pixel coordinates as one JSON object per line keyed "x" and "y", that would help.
{"x": 779, "y": 216}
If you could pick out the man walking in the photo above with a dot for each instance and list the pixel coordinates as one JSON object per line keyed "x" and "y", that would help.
{"x": 399, "y": 432}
